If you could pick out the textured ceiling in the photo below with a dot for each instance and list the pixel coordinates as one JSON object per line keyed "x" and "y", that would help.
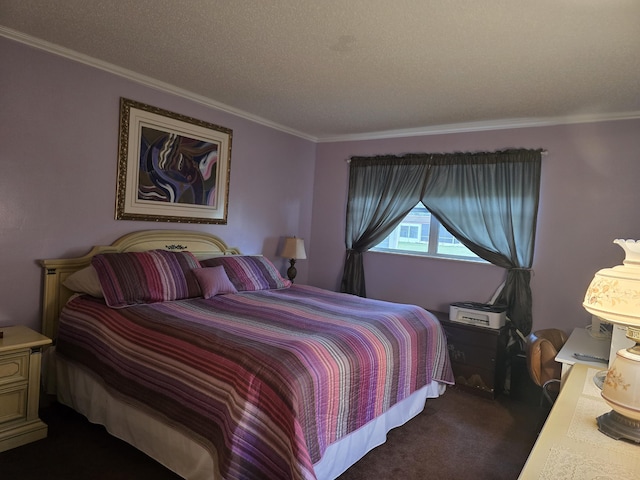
{"x": 329, "y": 69}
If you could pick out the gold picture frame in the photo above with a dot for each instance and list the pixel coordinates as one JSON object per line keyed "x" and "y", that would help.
{"x": 171, "y": 168}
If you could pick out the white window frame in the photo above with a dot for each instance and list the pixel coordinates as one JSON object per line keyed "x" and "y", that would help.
{"x": 411, "y": 227}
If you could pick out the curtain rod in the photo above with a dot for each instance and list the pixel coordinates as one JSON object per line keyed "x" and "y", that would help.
{"x": 544, "y": 153}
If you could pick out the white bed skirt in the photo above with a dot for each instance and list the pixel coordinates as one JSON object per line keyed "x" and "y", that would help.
{"x": 177, "y": 452}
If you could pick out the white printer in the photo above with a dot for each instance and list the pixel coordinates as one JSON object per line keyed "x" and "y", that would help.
{"x": 481, "y": 314}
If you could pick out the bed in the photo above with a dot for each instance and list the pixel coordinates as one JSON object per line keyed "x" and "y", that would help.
{"x": 213, "y": 364}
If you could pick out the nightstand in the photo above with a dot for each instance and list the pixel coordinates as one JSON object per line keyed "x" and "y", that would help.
{"x": 20, "y": 355}
{"x": 478, "y": 356}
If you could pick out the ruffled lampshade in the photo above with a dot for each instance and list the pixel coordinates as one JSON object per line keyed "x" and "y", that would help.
{"x": 614, "y": 295}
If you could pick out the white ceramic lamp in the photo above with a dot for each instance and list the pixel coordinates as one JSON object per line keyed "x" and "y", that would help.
{"x": 614, "y": 295}
{"x": 293, "y": 249}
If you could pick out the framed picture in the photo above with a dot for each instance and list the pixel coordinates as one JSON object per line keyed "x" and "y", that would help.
{"x": 171, "y": 168}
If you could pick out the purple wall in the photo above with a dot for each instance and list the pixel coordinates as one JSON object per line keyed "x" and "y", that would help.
{"x": 58, "y": 153}
{"x": 589, "y": 196}
{"x": 58, "y": 157}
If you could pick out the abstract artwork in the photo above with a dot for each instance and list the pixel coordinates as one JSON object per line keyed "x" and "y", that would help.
{"x": 171, "y": 167}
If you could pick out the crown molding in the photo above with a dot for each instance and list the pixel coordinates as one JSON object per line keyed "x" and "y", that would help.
{"x": 505, "y": 124}
{"x": 412, "y": 132}
{"x": 144, "y": 80}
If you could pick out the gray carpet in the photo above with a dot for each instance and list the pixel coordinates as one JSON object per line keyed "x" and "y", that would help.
{"x": 457, "y": 436}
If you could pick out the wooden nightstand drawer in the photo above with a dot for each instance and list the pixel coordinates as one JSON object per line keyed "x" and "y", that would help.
{"x": 468, "y": 354}
{"x": 20, "y": 357}
{"x": 14, "y": 367}
{"x": 13, "y": 405}
{"x": 480, "y": 337}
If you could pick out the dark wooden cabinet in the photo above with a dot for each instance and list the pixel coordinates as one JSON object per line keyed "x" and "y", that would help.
{"x": 478, "y": 356}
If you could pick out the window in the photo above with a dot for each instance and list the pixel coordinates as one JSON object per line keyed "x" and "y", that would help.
{"x": 410, "y": 233}
{"x": 421, "y": 234}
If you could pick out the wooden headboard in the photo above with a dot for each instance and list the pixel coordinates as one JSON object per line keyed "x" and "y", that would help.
{"x": 55, "y": 294}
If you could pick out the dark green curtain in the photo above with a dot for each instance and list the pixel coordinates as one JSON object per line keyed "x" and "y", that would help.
{"x": 489, "y": 201}
{"x": 382, "y": 191}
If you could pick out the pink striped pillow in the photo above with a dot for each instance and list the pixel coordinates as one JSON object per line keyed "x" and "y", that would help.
{"x": 133, "y": 278}
{"x": 249, "y": 273}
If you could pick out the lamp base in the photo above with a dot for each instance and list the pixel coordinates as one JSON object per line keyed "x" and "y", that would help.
{"x": 619, "y": 427}
{"x": 292, "y": 271}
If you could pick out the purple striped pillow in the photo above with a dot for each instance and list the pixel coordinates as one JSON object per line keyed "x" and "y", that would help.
{"x": 214, "y": 281}
{"x": 249, "y": 273}
{"x": 133, "y": 278}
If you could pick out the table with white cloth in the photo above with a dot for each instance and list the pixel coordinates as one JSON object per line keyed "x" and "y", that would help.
{"x": 570, "y": 446}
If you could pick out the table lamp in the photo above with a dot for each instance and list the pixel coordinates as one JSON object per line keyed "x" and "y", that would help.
{"x": 293, "y": 249}
{"x": 614, "y": 295}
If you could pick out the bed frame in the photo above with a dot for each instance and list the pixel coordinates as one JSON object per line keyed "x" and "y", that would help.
{"x": 55, "y": 294}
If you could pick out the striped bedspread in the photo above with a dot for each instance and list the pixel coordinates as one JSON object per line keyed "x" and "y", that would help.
{"x": 265, "y": 380}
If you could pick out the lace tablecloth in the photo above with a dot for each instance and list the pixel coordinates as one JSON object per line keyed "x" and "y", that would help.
{"x": 570, "y": 446}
